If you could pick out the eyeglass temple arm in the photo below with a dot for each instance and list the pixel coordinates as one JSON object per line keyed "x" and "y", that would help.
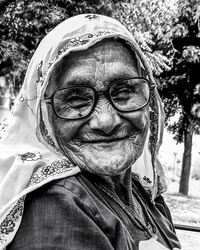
{"x": 47, "y": 99}
{"x": 153, "y": 86}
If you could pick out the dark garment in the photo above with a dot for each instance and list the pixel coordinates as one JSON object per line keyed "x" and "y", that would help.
{"x": 76, "y": 213}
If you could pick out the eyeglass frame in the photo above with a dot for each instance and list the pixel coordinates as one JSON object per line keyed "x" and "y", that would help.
{"x": 97, "y": 94}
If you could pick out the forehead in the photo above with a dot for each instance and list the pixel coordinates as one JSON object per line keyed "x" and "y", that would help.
{"x": 103, "y": 62}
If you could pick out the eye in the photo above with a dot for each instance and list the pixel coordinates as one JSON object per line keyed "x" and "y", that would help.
{"x": 78, "y": 101}
{"x": 122, "y": 94}
{"x": 72, "y": 103}
{"x": 75, "y": 98}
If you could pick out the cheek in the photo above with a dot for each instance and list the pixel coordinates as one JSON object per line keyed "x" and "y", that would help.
{"x": 63, "y": 128}
{"x": 138, "y": 119}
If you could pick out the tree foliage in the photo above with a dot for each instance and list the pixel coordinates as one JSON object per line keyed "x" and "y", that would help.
{"x": 181, "y": 85}
{"x": 24, "y": 23}
{"x": 150, "y": 22}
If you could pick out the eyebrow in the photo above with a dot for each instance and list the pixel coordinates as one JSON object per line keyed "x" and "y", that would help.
{"x": 122, "y": 75}
{"x": 88, "y": 80}
{"x": 76, "y": 81}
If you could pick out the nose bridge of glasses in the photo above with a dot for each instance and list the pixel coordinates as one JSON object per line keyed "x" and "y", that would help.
{"x": 102, "y": 98}
{"x": 103, "y": 95}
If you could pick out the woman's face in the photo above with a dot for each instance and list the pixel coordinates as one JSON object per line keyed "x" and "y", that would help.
{"x": 107, "y": 142}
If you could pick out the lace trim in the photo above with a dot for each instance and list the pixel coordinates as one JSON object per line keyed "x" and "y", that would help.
{"x": 56, "y": 167}
{"x": 45, "y": 135}
{"x": 91, "y": 17}
{"x": 8, "y": 225}
{"x": 153, "y": 127}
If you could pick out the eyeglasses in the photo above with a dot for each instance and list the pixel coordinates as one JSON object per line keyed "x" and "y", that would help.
{"x": 77, "y": 102}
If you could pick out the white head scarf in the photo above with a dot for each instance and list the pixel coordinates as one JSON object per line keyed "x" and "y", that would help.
{"x": 29, "y": 154}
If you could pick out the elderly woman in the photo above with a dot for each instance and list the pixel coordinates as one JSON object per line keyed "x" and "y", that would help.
{"x": 78, "y": 164}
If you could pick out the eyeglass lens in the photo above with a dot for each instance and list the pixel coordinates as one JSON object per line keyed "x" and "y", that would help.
{"x": 77, "y": 102}
{"x": 130, "y": 94}
{"x": 74, "y": 102}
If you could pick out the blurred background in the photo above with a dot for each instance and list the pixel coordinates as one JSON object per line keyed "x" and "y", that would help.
{"x": 168, "y": 31}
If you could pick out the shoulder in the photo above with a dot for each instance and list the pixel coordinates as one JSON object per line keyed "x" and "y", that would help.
{"x": 60, "y": 215}
{"x": 67, "y": 193}
{"x": 61, "y": 186}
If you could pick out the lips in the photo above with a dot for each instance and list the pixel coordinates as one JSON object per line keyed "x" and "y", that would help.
{"x": 106, "y": 139}
{"x": 99, "y": 137}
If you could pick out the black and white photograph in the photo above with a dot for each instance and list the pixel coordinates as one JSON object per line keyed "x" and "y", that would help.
{"x": 99, "y": 125}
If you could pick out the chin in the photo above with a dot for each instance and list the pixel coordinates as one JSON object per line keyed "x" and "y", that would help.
{"x": 103, "y": 159}
{"x": 108, "y": 164}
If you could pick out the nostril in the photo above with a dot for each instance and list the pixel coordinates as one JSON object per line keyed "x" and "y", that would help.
{"x": 114, "y": 130}
{"x": 106, "y": 133}
{"x": 105, "y": 123}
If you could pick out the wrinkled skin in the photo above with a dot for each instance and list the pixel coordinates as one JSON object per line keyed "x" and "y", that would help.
{"x": 108, "y": 141}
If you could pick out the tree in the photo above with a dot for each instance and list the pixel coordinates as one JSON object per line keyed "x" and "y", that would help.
{"x": 169, "y": 33}
{"x": 181, "y": 85}
{"x": 24, "y": 23}
{"x": 149, "y": 21}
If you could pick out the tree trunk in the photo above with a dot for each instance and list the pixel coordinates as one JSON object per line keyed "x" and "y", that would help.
{"x": 186, "y": 165}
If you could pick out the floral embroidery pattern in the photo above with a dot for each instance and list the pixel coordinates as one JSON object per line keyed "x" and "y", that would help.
{"x": 30, "y": 156}
{"x": 92, "y": 16}
{"x": 153, "y": 127}
{"x": 149, "y": 192}
{"x": 44, "y": 133}
{"x": 78, "y": 41}
{"x": 39, "y": 73}
{"x": 135, "y": 176}
{"x": 147, "y": 180}
{"x": 160, "y": 187}
{"x": 56, "y": 167}
{"x": 8, "y": 224}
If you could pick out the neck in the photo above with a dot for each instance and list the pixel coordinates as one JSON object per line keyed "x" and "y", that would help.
{"x": 121, "y": 185}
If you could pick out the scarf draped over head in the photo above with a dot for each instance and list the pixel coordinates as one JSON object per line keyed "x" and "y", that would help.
{"x": 29, "y": 154}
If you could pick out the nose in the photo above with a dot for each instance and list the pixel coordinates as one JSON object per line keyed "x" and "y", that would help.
{"x": 105, "y": 119}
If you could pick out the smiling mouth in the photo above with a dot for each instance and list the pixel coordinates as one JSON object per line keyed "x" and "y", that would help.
{"x": 108, "y": 140}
